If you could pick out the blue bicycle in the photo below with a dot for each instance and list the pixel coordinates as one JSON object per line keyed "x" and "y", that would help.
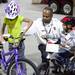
{"x": 15, "y": 66}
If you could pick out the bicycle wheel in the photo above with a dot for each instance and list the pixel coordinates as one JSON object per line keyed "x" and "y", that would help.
{"x": 70, "y": 67}
{"x": 43, "y": 71}
{"x": 25, "y": 67}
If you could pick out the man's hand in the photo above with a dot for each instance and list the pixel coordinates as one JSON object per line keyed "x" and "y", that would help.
{"x": 44, "y": 36}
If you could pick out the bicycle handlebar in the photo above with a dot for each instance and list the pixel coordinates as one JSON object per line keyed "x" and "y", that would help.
{"x": 15, "y": 44}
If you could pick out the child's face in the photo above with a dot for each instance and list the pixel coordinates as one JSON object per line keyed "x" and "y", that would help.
{"x": 64, "y": 26}
{"x": 69, "y": 27}
{"x": 13, "y": 19}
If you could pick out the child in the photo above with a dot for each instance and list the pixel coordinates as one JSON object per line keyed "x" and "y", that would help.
{"x": 13, "y": 21}
{"x": 67, "y": 42}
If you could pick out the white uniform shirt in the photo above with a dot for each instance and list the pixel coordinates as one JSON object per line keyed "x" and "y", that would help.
{"x": 55, "y": 28}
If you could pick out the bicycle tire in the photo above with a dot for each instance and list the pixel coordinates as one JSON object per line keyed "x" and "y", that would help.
{"x": 41, "y": 69}
{"x": 29, "y": 65}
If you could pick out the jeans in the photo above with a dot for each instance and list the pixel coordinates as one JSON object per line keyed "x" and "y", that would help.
{"x": 20, "y": 48}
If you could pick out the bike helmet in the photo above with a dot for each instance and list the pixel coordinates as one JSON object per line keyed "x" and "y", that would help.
{"x": 67, "y": 20}
{"x": 12, "y": 10}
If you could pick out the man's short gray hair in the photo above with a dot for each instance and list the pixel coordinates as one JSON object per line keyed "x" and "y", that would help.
{"x": 48, "y": 8}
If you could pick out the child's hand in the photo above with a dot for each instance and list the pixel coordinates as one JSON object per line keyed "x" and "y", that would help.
{"x": 62, "y": 46}
{"x": 1, "y": 39}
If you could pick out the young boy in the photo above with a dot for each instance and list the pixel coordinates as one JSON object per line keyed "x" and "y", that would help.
{"x": 67, "y": 41}
{"x": 14, "y": 21}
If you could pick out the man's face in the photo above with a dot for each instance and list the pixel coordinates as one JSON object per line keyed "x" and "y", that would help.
{"x": 47, "y": 16}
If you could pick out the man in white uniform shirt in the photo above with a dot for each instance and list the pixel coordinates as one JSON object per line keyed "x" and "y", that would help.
{"x": 47, "y": 28}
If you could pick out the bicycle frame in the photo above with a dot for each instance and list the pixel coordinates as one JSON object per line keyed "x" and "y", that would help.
{"x": 5, "y": 62}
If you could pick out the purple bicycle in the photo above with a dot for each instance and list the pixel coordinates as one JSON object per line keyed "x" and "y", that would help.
{"x": 15, "y": 66}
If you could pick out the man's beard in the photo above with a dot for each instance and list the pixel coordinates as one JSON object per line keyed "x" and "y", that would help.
{"x": 46, "y": 21}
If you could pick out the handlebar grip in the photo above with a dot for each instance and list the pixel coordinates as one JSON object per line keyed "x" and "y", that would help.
{"x": 6, "y": 35}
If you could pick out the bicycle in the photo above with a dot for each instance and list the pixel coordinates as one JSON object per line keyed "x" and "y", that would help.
{"x": 65, "y": 66}
{"x": 15, "y": 66}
